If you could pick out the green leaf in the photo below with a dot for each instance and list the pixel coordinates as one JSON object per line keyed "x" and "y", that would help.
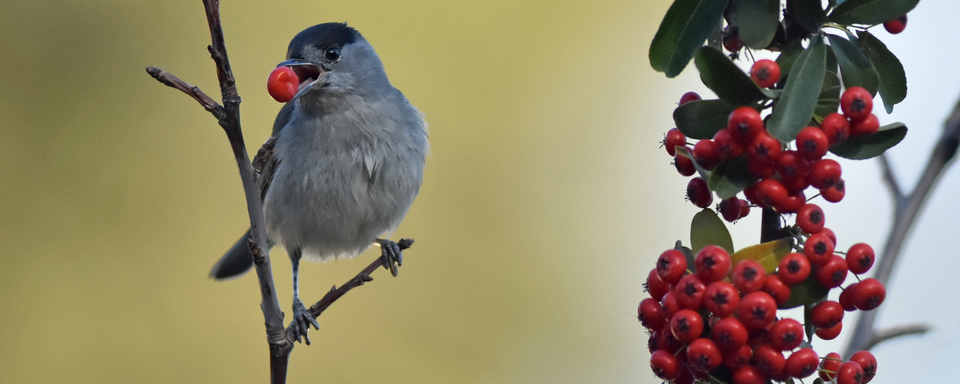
{"x": 868, "y": 146}
{"x": 685, "y": 27}
{"x": 829, "y": 99}
{"x": 855, "y": 68}
{"x": 807, "y": 292}
{"x": 730, "y": 177}
{"x": 799, "y": 97}
{"x": 870, "y": 11}
{"x": 818, "y": 381}
{"x": 756, "y": 21}
{"x": 893, "y": 80}
{"x": 767, "y": 254}
{"x": 808, "y": 14}
{"x": 724, "y": 78}
{"x": 702, "y": 119}
{"x": 688, "y": 254}
{"x": 788, "y": 56}
{"x": 708, "y": 229}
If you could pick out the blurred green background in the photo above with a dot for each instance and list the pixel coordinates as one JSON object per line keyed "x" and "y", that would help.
{"x": 542, "y": 209}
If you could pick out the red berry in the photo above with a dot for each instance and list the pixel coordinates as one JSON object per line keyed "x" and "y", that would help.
{"x": 721, "y": 298}
{"x": 793, "y": 269}
{"x": 869, "y": 294}
{"x": 727, "y": 146}
{"x": 686, "y": 325}
{"x": 688, "y": 97}
{"x": 744, "y": 124}
{"x": 670, "y": 305}
{"x": 703, "y": 355}
{"x": 654, "y": 286}
{"x": 826, "y": 314}
{"x": 856, "y": 103}
{"x": 684, "y": 165}
{"x": 667, "y": 341}
{"x": 757, "y": 310}
{"x": 673, "y": 139}
{"x": 698, "y": 193}
{"x": 832, "y": 273}
{"x": 706, "y": 154}
{"x": 818, "y": 248}
{"x": 868, "y": 362}
{"x": 770, "y": 192}
{"x": 748, "y": 276}
{"x": 812, "y": 143}
{"x": 744, "y": 208}
{"x": 671, "y": 266}
{"x": 712, "y": 263}
{"x": 749, "y": 375}
{"x": 737, "y": 358}
{"x": 897, "y": 25}
{"x": 776, "y": 289}
{"x": 836, "y": 127}
{"x": 792, "y": 203}
{"x": 830, "y": 235}
{"x": 770, "y": 361}
{"x": 765, "y": 73}
{"x": 830, "y": 366}
{"x": 791, "y": 166}
{"x": 760, "y": 169}
{"x": 810, "y": 218}
{"x": 850, "y": 373}
{"x": 835, "y": 192}
{"x": 729, "y": 334}
{"x": 664, "y": 365}
{"x": 829, "y": 333}
{"x": 732, "y": 42}
{"x": 689, "y": 292}
{"x": 802, "y": 363}
{"x": 764, "y": 148}
{"x": 860, "y": 258}
{"x": 824, "y": 174}
{"x": 730, "y": 209}
{"x": 650, "y": 314}
{"x": 283, "y": 84}
{"x": 786, "y": 334}
{"x": 868, "y": 126}
{"x": 846, "y": 298}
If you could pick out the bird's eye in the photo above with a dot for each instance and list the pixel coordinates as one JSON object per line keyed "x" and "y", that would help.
{"x": 332, "y": 54}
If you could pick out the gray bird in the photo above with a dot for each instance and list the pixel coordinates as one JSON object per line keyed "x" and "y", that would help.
{"x": 349, "y": 160}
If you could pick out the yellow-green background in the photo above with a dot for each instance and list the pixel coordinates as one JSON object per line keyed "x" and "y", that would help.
{"x": 545, "y": 200}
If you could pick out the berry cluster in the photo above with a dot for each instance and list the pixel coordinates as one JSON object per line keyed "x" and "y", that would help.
{"x": 780, "y": 174}
{"x": 720, "y": 320}
{"x": 714, "y": 315}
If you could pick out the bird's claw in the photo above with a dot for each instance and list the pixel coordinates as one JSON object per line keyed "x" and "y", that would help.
{"x": 302, "y": 320}
{"x": 392, "y": 255}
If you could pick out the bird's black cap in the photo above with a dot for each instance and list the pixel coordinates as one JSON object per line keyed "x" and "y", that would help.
{"x": 322, "y": 36}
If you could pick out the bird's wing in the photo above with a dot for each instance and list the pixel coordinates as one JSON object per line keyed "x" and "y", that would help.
{"x": 266, "y": 176}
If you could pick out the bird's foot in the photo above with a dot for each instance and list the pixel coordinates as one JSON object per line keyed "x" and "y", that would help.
{"x": 302, "y": 320}
{"x": 392, "y": 255}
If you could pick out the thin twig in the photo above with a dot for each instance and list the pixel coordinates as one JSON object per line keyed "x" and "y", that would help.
{"x": 893, "y": 332}
{"x": 891, "y": 179}
{"x": 864, "y": 335}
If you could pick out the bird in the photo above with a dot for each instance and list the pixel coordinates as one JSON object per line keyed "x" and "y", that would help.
{"x": 348, "y": 163}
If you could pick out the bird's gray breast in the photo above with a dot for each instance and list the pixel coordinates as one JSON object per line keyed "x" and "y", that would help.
{"x": 344, "y": 177}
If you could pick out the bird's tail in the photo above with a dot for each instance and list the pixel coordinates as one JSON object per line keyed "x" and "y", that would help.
{"x": 235, "y": 262}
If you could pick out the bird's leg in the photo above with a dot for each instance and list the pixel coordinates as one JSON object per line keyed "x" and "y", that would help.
{"x": 301, "y": 317}
{"x": 391, "y": 254}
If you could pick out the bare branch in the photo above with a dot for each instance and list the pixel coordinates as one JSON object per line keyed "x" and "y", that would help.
{"x": 894, "y": 332}
{"x": 193, "y": 91}
{"x": 891, "y": 179}
{"x": 944, "y": 151}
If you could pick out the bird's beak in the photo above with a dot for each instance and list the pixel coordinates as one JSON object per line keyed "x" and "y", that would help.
{"x": 306, "y": 71}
